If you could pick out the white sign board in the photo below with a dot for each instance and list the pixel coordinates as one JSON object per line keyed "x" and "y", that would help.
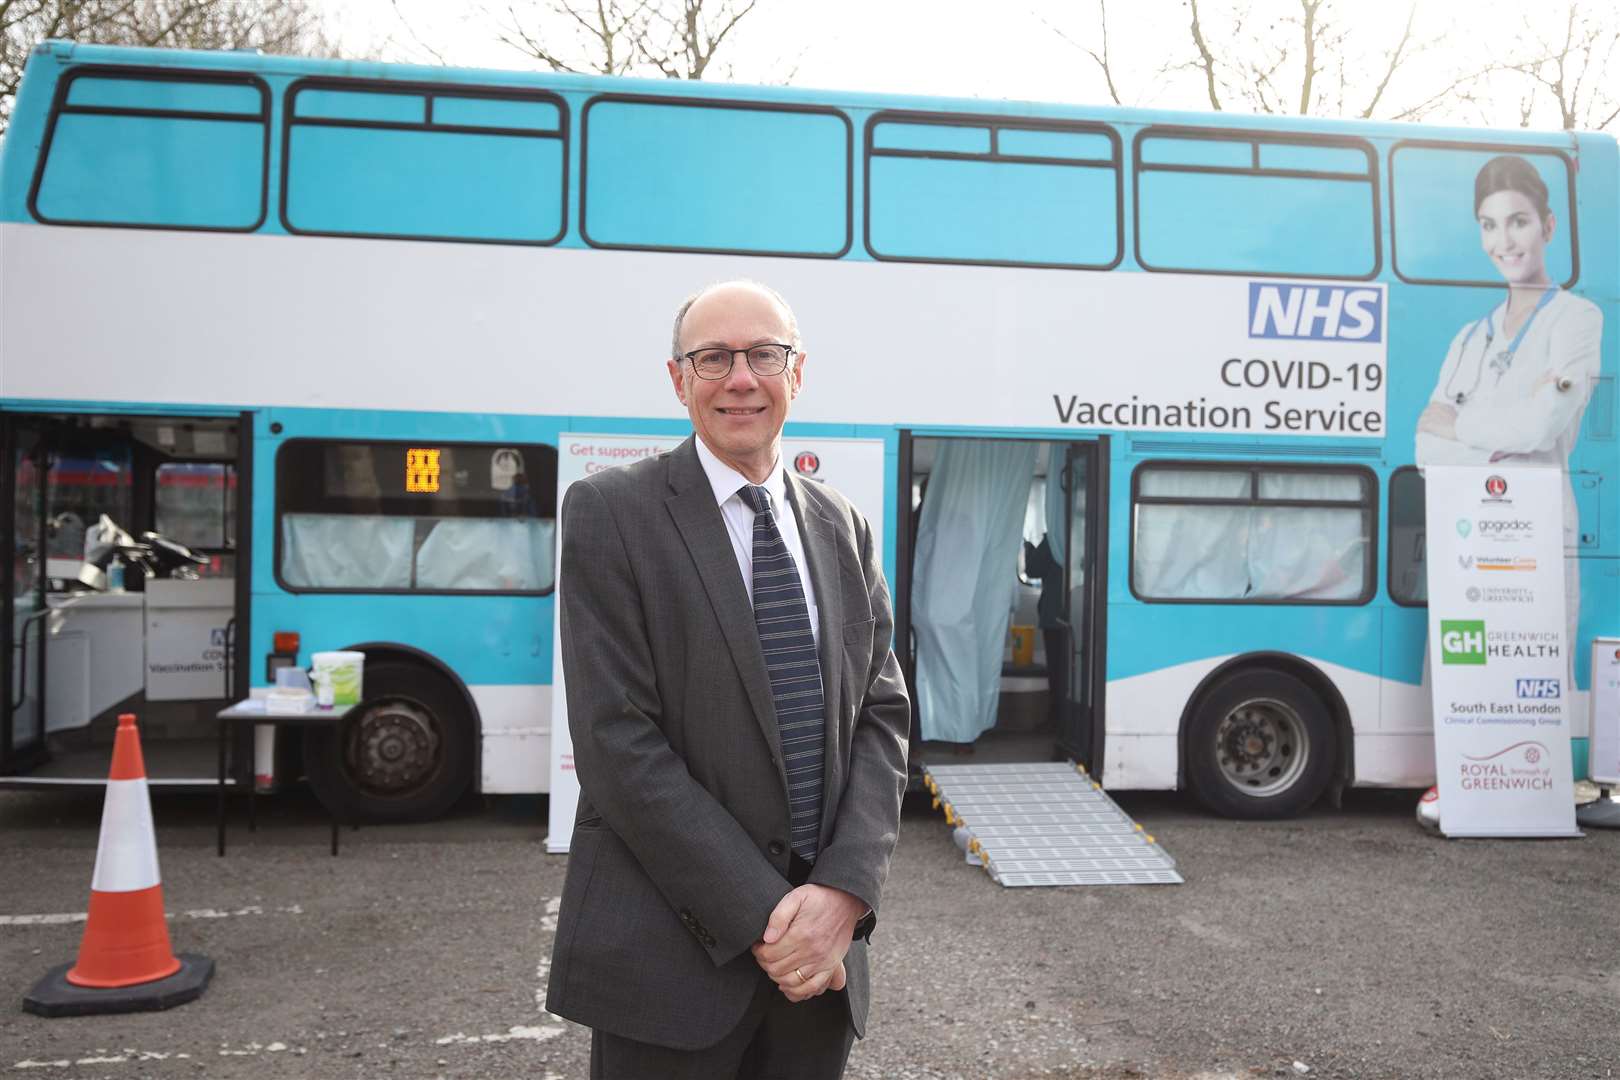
{"x": 186, "y": 625}
{"x": 853, "y": 466}
{"x": 1166, "y": 352}
{"x": 1497, "y": 650}
{"x": 1604, "y": 749}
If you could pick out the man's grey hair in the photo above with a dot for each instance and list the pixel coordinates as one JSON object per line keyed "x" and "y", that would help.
{"x": 686, "y": 305}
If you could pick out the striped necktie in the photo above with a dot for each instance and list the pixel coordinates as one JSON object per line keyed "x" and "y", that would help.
{"x": 782, "y": 616}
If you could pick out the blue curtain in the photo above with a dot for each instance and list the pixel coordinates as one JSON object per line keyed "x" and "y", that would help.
{"x": 963, "y": 580}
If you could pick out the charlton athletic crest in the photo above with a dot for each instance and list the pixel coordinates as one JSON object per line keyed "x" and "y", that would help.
{"x": 806, "y": 463}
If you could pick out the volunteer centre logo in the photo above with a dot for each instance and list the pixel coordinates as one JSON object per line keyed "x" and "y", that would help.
{"x": 1462, "y": 641}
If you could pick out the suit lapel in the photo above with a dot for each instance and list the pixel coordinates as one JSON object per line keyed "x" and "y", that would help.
{"x": 697, "y": 516}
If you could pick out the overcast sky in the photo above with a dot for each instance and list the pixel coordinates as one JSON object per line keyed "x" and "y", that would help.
{"x": 1017, "y": 49}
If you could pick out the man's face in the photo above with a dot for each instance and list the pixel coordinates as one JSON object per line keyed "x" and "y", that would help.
{"x": 739, "y": 417}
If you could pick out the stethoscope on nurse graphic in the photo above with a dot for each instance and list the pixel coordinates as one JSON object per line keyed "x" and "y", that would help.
{"x": 1483, "y": 360}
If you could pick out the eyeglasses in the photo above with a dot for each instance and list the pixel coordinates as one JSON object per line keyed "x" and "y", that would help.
{"x": 763, "y": 360}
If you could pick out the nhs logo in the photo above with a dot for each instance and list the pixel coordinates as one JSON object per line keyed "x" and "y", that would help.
{"x": 1538, "y": 688}
{"x": 1316, "y": 312}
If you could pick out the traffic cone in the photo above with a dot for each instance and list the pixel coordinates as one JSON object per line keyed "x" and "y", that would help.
{"x": 125, "y": 963}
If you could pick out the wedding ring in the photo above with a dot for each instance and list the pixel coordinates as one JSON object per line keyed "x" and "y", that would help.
{"x": 800, "y": 974}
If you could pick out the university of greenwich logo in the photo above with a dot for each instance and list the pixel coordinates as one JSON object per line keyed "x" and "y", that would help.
{"x": 1462, "y": 641}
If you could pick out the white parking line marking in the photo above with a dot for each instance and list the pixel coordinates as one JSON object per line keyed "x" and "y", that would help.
{"x": 63, "y": 917}
{"x": 102, "y": 1057}
{"x": 516, "y": 1031}
{"x": 550, "y": 1025}
{"x": 252, "y": 1049}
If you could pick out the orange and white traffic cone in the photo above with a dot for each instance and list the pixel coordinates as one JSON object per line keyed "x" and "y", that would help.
{"x": 125, "y": 963}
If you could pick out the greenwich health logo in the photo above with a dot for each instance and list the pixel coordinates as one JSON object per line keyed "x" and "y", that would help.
{"x": 1462, "y": 641}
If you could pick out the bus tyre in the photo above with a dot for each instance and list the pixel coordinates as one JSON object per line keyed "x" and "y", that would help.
{"x": 404, "y": 754}
{"x": 1260, "y": 744}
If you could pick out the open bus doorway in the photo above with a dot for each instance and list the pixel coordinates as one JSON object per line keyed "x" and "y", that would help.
{"x": 1000, "y": 600}
{"x": 88, "y": 634}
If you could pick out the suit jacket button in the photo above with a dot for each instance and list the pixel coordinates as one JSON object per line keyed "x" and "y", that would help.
{"x": 686, "y": 917}
{"x": 775, "y": 847}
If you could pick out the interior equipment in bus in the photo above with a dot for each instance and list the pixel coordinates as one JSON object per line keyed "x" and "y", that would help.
{"x": 155, "y": 556}
{"x": 123, "y": 594}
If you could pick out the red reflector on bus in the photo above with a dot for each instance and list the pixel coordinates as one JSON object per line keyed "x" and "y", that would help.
{"x": 286, "y": 641}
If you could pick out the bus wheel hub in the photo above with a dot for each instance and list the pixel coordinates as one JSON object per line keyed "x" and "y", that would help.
{"x": 1260, "y": 746}
{"x": 396, "y": 746}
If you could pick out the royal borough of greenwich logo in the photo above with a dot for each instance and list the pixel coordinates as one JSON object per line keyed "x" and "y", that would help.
{"x": 1462, "y": 641}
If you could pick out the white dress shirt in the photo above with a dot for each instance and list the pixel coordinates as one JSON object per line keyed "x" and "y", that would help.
{"x": 739, "y": 518}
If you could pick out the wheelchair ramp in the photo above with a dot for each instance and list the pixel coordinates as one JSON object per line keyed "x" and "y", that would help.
{"x": 1045, "y": 823}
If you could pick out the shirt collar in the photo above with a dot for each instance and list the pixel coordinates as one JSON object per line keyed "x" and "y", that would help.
{"x": 725, "y": 480}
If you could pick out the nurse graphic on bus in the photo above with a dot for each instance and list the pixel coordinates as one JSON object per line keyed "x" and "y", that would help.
{"x": 1515, "y": 382}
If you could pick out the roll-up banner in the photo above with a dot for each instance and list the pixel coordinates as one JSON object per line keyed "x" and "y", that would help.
{"x": 1604, "y": 766}
{"x": 1497, "y": 650}
{"x": 853, "y": 466}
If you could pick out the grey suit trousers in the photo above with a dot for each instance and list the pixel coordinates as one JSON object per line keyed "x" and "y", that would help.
{"x": 777, "y": 1040}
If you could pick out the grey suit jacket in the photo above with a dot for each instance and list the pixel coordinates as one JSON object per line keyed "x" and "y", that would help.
{"x": 679, "y": 851}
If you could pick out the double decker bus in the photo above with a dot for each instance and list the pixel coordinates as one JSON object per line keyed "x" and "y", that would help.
{"x": 329, "y": 323}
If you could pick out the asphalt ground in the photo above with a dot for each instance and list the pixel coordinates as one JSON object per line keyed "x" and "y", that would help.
{"x": 1348, "y": 942}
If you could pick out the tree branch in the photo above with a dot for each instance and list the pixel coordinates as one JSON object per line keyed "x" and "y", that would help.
{"x": 1394, "y": 62}
{"x": 1206, "y": 59}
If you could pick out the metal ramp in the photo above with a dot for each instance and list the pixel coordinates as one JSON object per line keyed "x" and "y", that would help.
{"x": 1045, "y": 823}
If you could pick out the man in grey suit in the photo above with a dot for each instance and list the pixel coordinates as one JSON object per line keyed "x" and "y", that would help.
{"x": 739, "y": 726}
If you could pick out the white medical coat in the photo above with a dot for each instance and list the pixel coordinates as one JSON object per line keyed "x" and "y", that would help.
{"x": 1520, "y": 415}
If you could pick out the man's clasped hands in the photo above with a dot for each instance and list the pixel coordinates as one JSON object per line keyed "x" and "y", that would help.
{"x": 806, "y": 938}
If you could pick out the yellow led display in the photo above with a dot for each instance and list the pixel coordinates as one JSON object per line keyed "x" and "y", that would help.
{"x": 422, "y": 471}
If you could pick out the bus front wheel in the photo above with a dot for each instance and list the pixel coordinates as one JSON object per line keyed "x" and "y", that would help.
{"x": 1260, "y": 745}
{"x": 404, "y": 754}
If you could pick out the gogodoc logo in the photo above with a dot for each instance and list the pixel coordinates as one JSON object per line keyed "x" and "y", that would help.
{"x": 1315, "y": 312}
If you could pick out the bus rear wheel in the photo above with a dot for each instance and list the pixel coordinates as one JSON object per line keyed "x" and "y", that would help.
{"x": 1260, "y": 745}
{"x": 405, "y": 754}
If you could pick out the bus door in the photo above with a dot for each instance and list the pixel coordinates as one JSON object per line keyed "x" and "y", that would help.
{"x": 23, "y": 607}
{"x": 1084, "y": 485}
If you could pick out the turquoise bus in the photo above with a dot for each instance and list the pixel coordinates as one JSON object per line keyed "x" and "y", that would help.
{"x": 1146, "y": 389}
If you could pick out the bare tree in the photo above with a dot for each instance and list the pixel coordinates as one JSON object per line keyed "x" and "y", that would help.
{"x": 674, "y": 38}
{"x": 276, "y": 26}
{"x": 586, "y": 36}
{"x": 1104, "y": 63}
{"x": 1576, "y": 66}
{"x": 1305, "y": 57}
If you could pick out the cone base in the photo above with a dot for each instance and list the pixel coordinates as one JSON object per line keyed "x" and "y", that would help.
{"x": 54, "y": 996}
